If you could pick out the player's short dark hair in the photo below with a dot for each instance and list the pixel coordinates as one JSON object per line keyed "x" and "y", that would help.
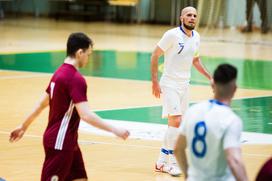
{"x": 224, "y": 74}
{"x": 77, "y": 41}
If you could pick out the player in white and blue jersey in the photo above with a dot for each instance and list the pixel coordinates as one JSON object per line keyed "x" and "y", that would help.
{"x": 211, "y": 132}
{"x": 180, "y": 47}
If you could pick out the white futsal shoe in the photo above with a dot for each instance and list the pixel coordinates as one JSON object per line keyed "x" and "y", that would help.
{"x": 161, "y": 167}
{"x": 174, "y": 170}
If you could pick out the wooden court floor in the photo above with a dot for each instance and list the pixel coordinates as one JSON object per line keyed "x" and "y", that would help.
{"x": 106, "y": 158}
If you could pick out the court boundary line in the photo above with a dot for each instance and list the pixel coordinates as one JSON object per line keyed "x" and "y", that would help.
{"x": 21, "y": 77}
{"x": 193, "y": 102}
{"x": 199, "y": 83}
{"x": 87, "y": 76}
{"x": 44, "y": 74}
{"x": 88, "y": 142}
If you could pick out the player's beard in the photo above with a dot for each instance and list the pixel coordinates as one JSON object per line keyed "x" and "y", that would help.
{"x": 188, "y": 27}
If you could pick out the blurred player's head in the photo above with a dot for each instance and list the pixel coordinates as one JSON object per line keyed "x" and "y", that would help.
{"x": 188, "y": 17}
{"x": 225, "y": 81}
{"x": 79, "y": 46}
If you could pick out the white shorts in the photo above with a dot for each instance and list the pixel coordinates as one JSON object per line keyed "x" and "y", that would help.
{"x": 174, "y": 102}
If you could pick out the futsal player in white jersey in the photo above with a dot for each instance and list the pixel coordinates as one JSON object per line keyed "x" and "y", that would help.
{"x": 211, "y": 132}
{"x": 180, "y": 47}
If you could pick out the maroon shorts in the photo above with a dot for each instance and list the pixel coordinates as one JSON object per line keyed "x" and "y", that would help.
{"x": 60, "y": 165}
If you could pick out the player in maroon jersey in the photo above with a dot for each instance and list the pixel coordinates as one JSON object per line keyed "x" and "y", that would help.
{"x": 265, "y": 173}
{"x": 66, "y": 96}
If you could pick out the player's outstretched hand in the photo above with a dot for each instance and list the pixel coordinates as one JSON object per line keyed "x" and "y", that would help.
{"x": 211, "y": 81}
{"x": 16, "y": 134}
{"x": 122, "y": 133}
{"x": 212, "y": 84}
{"x": 156, "y": 90}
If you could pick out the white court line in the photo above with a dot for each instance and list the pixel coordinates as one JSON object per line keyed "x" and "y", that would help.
{"x": 87, "y": 76}
{"x": 26, "y": 135}
{"x": 41, "y": 74}
{"x": 21, "y": 76}
{"x": 87, "y": 142}
{"x": 120, "y": 79}
{"x": 36, "y": 75}
{"x": 128, "y": 107}
{"x": 33, "y": 74}
{"x": 153, "y": 131}
{"x": 22, "y": 71}
{"x": 254, "y": 96}
{"x": 159, "y": 104}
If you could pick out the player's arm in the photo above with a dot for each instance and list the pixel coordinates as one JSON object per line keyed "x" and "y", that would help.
{"x": 156, "y": 90}
{"x": 94, "y": 120}
{"x": 180, "y": 153}
{"x": 17, "y": 133}
{"x": 234, "y": 159}
{"x": 232, "y": 150}
{"x": 201, "y": 68}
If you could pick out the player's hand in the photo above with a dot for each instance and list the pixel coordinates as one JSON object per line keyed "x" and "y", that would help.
{"x": 16, "y": 134}
{"x": 122, "y": 133}
{"x": 211, "y": 81}
{"x": 212, "y": 84}
{"x": 156, "y": 90}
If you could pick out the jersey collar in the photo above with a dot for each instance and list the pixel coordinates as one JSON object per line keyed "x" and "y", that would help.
{"x": 181, "y": 29}
{"x": 214, "y": 101}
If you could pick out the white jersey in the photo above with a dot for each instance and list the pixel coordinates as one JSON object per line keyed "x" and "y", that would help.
{"x": 210, "y": 127}
{"x": 179, "y": 51}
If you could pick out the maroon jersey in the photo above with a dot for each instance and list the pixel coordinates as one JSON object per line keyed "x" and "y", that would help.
{"x": 265, "y": 173}
{"x": 66, "y": 88}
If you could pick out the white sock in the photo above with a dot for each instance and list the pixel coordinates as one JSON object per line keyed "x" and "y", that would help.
{"x": 171, "y": 140}
{"x": 163, "y": 156}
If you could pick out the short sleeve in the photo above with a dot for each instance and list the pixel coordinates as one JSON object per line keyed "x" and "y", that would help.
{"x": 197, "y": 44}
{"x": 233, "y": 134}
{"x": 78, "y": 89}
{"x": 166, "y": 41}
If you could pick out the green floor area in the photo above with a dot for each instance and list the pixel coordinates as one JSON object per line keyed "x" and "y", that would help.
{"x": 256, "y": 114}
{"x": 136, "y": 65}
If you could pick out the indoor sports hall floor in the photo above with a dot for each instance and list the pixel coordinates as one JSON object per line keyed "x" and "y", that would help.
{"x": 119, "y": 90}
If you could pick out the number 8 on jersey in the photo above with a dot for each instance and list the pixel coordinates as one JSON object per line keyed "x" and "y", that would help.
{"x": 199, "y": 145}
